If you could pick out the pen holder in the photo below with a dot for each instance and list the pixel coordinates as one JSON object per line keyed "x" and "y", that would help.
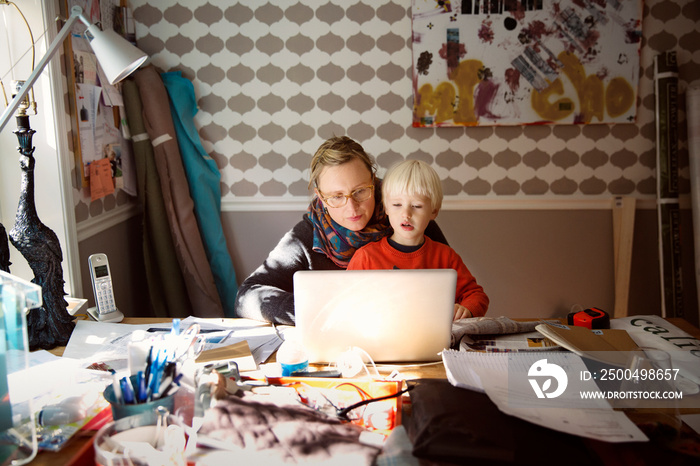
{"x": 121, "y": 410}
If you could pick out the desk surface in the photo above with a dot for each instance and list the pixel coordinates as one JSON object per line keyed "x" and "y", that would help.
{"x": 81, "y": 440}
{"x": 428, "y": 370}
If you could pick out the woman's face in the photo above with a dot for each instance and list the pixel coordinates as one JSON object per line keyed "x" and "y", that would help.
{"x": 343, "y": 180}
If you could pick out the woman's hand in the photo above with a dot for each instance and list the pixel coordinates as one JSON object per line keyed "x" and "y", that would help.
{"x": 461, "y": 312}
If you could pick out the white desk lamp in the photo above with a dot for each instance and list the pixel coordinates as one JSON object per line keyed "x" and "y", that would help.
{"x": 116, "y": 55}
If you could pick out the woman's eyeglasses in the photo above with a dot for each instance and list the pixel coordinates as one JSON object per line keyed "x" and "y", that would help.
{"x": 358, "y": 195}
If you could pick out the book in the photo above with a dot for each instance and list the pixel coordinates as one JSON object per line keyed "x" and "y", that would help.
{"x": 527, "y": 341}
{"x": 605, "y": 345}
{"x": 237, "y": 352}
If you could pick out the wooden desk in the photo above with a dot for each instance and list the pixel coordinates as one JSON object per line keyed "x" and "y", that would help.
{"x": 58, "y": 351}
{"x": 617, "y": 453}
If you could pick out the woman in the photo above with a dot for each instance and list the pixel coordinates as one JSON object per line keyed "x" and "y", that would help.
{"x": 345, "y": 214}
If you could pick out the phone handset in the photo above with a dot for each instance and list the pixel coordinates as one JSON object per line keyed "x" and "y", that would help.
{"x": 105, "y": 309}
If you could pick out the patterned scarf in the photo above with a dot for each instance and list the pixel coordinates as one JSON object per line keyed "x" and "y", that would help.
{"x": 339, "y": 243}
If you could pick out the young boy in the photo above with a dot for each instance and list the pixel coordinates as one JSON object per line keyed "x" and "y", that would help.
{"x": 412, "y": 196}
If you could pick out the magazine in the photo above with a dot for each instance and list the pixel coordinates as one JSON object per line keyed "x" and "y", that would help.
{"x": 528, "y": 341}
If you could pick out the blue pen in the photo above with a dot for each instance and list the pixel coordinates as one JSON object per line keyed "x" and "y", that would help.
{"x": 141, "y": 382}
{"x": 159, "y": 374}
{"x": 151, "y": 375}
{"x": 149, "y": 358}
{"x": 127, "y": 391}
{"x": 154, "y": 362}
{"x": 131, "y": 390}
{"x": 154, "y": 380}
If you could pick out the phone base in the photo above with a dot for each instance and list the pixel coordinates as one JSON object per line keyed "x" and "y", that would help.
{"x": 115, "y": 316}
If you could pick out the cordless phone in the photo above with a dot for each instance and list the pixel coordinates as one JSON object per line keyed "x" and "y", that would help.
{"x": 105, "y": 309}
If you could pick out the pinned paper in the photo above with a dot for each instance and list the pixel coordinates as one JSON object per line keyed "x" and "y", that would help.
{"x": 101, "y": 183}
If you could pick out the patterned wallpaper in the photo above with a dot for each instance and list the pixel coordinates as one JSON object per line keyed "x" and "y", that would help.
{"x": 274, "y": 78}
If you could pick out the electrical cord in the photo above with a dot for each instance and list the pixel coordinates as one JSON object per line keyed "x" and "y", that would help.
{"x": 33, "y": 50}
{"x": 422, "y": 364}
{"x": 342, "y": 413}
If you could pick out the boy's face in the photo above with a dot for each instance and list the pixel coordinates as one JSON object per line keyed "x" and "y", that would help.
{"x": 409, "y": 215}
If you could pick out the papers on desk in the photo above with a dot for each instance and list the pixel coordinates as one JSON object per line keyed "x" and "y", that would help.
{"x": 64, "y": 380}
{"x": 108, "y": 342}
{"x": 657, "y": 332}
{"x": 505, "y": 378}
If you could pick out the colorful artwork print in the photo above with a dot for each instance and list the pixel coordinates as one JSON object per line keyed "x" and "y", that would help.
{"x": 512, "y": 62}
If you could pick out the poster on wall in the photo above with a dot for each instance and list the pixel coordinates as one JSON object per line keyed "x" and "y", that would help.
{"x": 516, "y": 62}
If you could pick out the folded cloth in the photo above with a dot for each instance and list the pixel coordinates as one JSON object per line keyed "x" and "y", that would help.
{"x": 286, "y": 434}
{"x": 454, "y": 425}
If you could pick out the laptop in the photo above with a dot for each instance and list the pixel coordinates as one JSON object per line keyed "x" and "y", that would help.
{"x": 393, "y": 315}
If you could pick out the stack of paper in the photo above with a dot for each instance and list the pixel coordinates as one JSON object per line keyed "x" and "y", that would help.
{"x": 506, "y": 379}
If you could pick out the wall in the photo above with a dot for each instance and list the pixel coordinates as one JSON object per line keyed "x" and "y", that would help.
{"x": 532, "y": 263}
{"x": 122, "y": 244}
{"x": 274, "y": 79}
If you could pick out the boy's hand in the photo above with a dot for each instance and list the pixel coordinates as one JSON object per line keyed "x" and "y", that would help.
{"x": 461, "y": 312}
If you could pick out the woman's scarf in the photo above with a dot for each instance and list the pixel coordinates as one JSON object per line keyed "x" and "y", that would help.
{"x": 339, "y": 243}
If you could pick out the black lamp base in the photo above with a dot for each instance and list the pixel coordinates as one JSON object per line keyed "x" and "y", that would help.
{"x": 51, "y": 324}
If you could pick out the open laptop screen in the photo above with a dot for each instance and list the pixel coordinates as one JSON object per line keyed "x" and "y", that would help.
{"x": 393, "y": 315}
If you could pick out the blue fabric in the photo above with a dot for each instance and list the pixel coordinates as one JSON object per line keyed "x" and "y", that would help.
{"x": 204, "y": 179}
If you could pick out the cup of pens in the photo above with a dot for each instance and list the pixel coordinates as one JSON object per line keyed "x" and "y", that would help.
{"x": 132, "y": 395}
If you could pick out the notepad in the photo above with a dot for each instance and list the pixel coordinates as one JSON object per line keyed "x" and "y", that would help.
{"x": 609, "y": 346}
{"x": 392, "y": 315}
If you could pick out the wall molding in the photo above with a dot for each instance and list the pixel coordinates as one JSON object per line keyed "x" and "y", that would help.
{"x": 269, "y": 204}
{"x": 106, "y": 220}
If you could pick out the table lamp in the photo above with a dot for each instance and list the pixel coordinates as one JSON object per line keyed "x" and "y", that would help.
{"x": 51, "y": 325}
{"x": 115, "y": 54}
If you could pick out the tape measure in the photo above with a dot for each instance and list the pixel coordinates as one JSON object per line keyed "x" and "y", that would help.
{"x": 592, "y": 318}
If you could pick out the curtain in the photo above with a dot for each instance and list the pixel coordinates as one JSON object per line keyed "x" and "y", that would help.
{"x": 166, "y": 286}
{"x": 179, "y": 206}
{"x": 205, "y": 186}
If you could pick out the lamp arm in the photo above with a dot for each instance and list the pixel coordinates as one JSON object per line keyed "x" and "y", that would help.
{"x": 76, "y": 14}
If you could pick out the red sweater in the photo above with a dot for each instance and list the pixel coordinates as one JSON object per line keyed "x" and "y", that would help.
{"x": 431, "y": 255}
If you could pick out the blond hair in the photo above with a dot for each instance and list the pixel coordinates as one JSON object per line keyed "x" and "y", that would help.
{"x": 413, "y": 177}
{"x": 337, "y": 151}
